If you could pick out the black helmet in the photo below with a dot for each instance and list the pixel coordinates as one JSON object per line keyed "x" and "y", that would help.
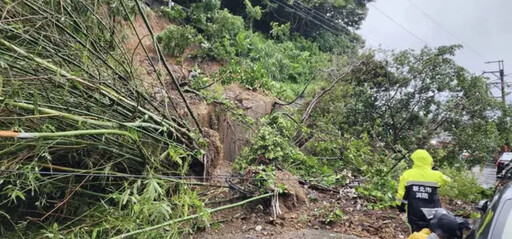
{"x": 448, "y": 226}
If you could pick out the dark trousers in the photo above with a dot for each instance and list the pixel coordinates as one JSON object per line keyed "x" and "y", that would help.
{"x": 418, "y": 226}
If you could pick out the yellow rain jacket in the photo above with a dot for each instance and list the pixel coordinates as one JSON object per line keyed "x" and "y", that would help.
{"x": 418, "y": 189}
{"x": 423, "y": 234}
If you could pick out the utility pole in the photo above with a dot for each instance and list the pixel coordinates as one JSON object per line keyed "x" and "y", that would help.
{"x": 501, "y": 77}
{"x": 500, "y": 74}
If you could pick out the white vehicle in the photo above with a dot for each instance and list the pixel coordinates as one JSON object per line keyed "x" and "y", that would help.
{"x": 502, "y": 162}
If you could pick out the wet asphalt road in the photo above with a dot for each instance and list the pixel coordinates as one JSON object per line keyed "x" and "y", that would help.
{"x": 485, "y": 175}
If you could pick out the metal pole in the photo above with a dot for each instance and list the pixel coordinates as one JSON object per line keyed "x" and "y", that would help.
{"x": 501, "y": 76}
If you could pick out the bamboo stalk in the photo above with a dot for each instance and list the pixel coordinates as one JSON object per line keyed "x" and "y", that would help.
{"x": 51, "y": 112}
{"x": 83, "y": 44}
{"x": 82, "y": 190}
{"x": 87, "y": 78}
{"x": 117, "y": 174}
{"x": 147, "y": 229}
{"x": 57, "y": 113}
{"x": 44, "y": 63}
{"x": 31, "y": 135}
{"x": 106, "y": 91}
{"x": 153, "y": 135}
{"x": 14, "y": 148}
{"x": 169, "y": 72}
{"x": 152, "y": 64}
{"x": 104, "y": 61}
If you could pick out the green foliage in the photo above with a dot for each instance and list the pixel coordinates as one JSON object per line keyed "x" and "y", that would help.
{"x": 397, "y": 101}
{"x": 201, "y": 81}
{"x": 174, "y": 14}
{"x": 223, "y": 25}
{"x": 218, "y": 27}
{"x": 273, "y": 143}
{"x": 176, "y": 39}
{"x": 280, "y": 31}
{"x": 354, "y": 154}
{"x": 330, "y": 214}
{"x": 201, "y": 13}
{"x": 281, "y": 68}
{"x": 253, "y": 13}
{"x": 348, "y": 14}
{"x": 464, "y": 186}
{"x": 345, "y": 44}
{"x": 264, "y": 178}
{"x": 380, "y": 192}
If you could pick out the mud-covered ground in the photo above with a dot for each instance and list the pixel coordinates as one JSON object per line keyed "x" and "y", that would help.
{"x": 309, "y": 220}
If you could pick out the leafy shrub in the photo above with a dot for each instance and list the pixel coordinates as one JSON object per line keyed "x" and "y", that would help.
{"x": 273, "y": 143}
{"x": 201, "y": 81}
{"x": 464, "y": 186}
{"x": 380, "y": 192}
{"x": 175, "y": 13}
{"x": 281, "y": 68}
{"x": 344, "y": 44}
{"x": 176, "y": 39}
{"x": 330, "y": 214}
{"x": 280, "y": 31}
{"x": 347, "y": 152}
{"x": 201, "y": 13}
{"x": 265, "y": 177}
{"x": 220, "y": 35}
{"x": 218, "y": 27}
{"x": 253, "y": 13}
{"x": 224, "y": 25}
{"x": 251, "y": 75}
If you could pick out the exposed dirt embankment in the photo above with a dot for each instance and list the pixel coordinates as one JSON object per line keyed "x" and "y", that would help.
{"x": 234, "y": 135}
{"x": 226, "y": 137}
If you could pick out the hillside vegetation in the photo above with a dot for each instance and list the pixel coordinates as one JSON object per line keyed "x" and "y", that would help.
{"x": 102, "y": 135}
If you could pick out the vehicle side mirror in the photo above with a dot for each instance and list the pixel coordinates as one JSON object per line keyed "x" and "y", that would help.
{"x": 482, "y": 206}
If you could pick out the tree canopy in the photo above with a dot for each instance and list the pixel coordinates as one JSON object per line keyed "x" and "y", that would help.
{"x": 406, "y": 98}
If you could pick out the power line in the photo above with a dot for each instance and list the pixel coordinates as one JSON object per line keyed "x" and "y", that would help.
{"x": 446, "y": 29}
{"x": 305, "y": 16}
{"x": 334, "y": 22}
{"x": 319, "y": 14}
{"x": 299, "y": 9}
{"x": 397, "y": 23}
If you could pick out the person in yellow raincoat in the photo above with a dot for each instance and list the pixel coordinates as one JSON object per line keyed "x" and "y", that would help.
{"x": 418, "y": 189}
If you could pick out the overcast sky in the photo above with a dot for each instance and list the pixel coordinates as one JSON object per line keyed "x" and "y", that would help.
{"x": 483, "y": 27}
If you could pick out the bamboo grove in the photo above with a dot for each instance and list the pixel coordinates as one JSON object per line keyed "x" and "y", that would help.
{"x": 80, "y": 124}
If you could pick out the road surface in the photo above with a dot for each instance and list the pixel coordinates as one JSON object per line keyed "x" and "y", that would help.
{"x": 300, "y": 234}
{"x": 485, "y": 175}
